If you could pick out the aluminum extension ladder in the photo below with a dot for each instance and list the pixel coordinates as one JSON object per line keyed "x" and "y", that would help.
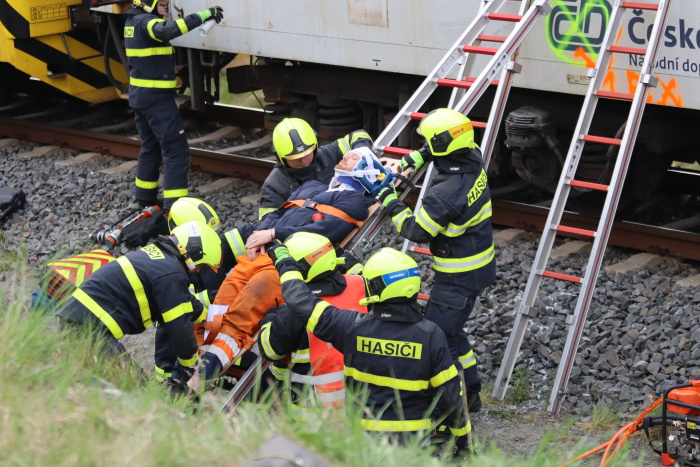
{"x": 526, "y": 308}
{"x": 466, "y": 91}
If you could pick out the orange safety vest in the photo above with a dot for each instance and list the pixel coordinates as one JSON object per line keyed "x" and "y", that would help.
{"x": 327, "y": 365}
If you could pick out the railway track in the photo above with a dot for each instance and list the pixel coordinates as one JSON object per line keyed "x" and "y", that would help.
{"x": 677, "y": 240}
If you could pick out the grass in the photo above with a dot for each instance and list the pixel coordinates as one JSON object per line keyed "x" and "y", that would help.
{"x": 63, "y": 403}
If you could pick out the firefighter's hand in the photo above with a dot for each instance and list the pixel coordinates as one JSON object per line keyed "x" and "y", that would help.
{"x": 269, "y": 316}
{"x": 278, "y": 252}
{"x": 387, "y": 195}
{"x": 412, "y": 159}
{"x": 216, "y": 13}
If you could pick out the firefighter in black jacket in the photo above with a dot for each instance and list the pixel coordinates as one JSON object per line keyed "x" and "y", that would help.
{"x": 396, "y": 361}
{"x": 152, "y": 89}
{"x": 148, "y": 286}
{"x": 301, "y": 160}
{"x": 455, "y": 219}
{"x": 314, "y": 368}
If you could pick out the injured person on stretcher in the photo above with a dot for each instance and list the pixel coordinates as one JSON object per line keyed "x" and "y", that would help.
{"x": 253, "y": 286}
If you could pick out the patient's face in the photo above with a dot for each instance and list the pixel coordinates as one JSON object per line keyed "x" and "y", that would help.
{"x": 349, "y": 161}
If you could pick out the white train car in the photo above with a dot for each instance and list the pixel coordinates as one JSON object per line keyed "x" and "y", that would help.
{"x": 349, "y": 63}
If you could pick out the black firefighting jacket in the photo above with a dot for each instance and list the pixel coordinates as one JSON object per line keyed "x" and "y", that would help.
{"x": 283, "y": 180}
{"x": 455, "y": 219}
{"x": 151, "y": 57}
{"x": 395, "y": 369}
{"x": 147, "y": 286}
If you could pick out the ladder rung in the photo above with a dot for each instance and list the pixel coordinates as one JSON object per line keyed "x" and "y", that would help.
{"x": 627, "y": 50}
{"x": 602, "y": 140}
{"x": 589, "y": 185}
{"x": 504, "y": 17}
{"x": 454, "y": 83}
{"x": 421, "y": 250}
{"x": 477, "y": 49}
{"x": 615, "y": 95}
{"x": 395, "y": 151}
{"x": 561, "y": 277}
{"x": 574, "y": 230}
{"x": 422, "y": 296}
{"x": 478, "y": 124}
{"x": 639, "y": 6}
{"x": 487, "y": 38}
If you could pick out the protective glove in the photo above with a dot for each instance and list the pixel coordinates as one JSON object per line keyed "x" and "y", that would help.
{"x": 387, "y": 195}
{"x": 413, "y": 159}
{"x": 216, "y": 13}
{"x": 278, "y": 252}
{"x": 269, "y": 316}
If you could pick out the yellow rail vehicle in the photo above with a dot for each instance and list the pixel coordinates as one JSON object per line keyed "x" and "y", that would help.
{"x": 60, "y": 43}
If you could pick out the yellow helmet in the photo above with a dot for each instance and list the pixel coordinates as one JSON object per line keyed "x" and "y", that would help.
{"x": 389, "y": 274}
{"x": 314, "y": 253}
{"x": 192, "y": 209}
{"x": 293, "y": 138}
{"x": 446, "y": 131}
{"x": 198, "y": 244}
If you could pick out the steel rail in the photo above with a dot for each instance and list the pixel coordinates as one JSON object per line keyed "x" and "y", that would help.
{"x": 658, "y": 240}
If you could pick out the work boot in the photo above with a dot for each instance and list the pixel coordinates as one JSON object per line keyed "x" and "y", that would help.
{"x": 474, "y": 401}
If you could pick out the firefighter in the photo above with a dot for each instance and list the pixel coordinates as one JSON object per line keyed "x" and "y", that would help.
{"x": 455, "y": 220}
{"x": 148, "y": 286}
{"x": 152, "y": 90}
{"x": 396, "y": 361}
{"x": 310, "y": 365}
{"x": 301, "y": 160}
{"x": 204, "y": 283}
{"x": 253, "y": 287}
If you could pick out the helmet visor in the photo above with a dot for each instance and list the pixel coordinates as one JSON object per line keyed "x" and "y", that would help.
{"x": 301, "y": 154}
{"x": 376, "y": 285}
{"x": 441, "y": 141}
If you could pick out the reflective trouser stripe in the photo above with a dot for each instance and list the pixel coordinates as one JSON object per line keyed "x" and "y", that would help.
{"x": 161, "y": 374}
{"x": 179, "y": 193}
{"x": 397, "y": 425}
{"x": 146, "y": 185}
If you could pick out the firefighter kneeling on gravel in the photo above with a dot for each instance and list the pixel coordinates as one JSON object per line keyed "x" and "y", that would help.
{"x": 205, "y": 282}
{"x": 396, "y": 361}
{"x": 313, "y": 368}
{"x": 147, "y": 286}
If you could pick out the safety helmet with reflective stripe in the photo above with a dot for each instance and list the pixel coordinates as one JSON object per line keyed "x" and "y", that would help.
{"x": 446, "y": 130}
{"x": 314, "y": 253}
{"x": 198, "y": 244}
{"x": 389, "y": 274}
{"x": 293, "y": 138}
{"x": 192, "y": 209}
